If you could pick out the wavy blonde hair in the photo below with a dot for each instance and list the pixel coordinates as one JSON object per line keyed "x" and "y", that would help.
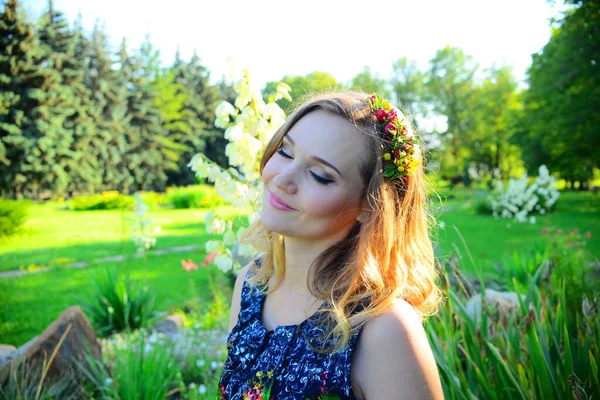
{"x": 386, "y": 256}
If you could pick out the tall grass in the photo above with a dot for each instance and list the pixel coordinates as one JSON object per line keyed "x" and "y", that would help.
{"x": 538, "y": 351}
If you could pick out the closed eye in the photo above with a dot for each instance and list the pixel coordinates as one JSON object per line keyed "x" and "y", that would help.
{"x": 319, "y": 179}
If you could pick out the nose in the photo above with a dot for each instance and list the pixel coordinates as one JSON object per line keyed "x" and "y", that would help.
{"x": 284, "y": 180}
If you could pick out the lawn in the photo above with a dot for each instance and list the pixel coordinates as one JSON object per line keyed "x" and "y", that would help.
{"x": 488, "y": 241}
{"x": 29, "y": 303}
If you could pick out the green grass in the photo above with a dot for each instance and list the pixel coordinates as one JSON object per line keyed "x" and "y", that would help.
{"x": 28, "y": 304}
{"x": 489, "y": 240}
{"x": 51, "y": 233}
{"x": 31, "y": 302}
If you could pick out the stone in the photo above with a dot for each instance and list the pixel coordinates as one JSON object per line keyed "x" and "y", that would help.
{"x": 6, "y": 351}
{"x": 170, "y": 325}
{"x": 78, "y": 340}
{"x": 504, "y": 302}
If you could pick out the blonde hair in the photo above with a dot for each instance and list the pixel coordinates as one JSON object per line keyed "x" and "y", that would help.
{"x": 386, "y": 256}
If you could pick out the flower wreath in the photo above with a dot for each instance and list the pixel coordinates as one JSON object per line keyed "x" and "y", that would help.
{"x": 398, "y": 159}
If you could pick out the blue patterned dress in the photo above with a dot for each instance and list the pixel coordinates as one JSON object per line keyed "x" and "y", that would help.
{"x": 278, "y": 364}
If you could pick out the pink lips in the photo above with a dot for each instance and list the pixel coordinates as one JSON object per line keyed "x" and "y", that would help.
{"x": 279, "y": 204}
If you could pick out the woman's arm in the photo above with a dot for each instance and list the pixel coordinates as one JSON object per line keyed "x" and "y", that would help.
{"x": 394, "y": 358}
{"x": 236, "y": 297}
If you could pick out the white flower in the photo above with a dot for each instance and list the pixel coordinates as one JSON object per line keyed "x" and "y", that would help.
{"x": 212, "y": 246}
{"x": 213, "y": 173}
{"x": 223, "y": 262}
{"x": 532, "y": 220}
{"x": 199, "y": 166}
{"x": 201, "y": 389}
{"x": 209, "y": 217}
{"x": 218, "y": 226}
{"x": 200, "y": 363}
{"x": 229, "y": 238}
{"x": 442, "y": 224}
{"x": 234, "y": 132}
{"x": 224, "y": 110}
{"x": 213, "y": 365}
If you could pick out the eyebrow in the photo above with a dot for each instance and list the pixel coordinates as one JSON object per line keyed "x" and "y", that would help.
{"x": 319, "y": 159}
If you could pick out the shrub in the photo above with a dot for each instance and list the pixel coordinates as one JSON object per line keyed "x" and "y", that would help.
{"x": 196, "y": 196}
{"x": 154, "y": 199}
{"x": 111, "y": 200}
{"x": 483, "y": 207}
{"x": 13, "y": 215}
{"x": 132, "y": 368}
{"x": 520, "y": 199}
{"x": 118, "y": 305}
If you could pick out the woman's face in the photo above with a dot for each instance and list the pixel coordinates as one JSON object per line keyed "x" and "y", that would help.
{"x": 316, "y": 173}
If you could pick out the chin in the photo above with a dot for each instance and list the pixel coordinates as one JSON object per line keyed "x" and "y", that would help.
{"x": 274, "y": 222}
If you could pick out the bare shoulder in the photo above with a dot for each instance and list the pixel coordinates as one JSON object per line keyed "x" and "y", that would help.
{"x": 237, "y": 296}
{"x": 394, "y": 359}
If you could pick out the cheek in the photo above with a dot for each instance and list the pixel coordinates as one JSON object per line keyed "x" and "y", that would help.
{"x": 269, "y": 171}
{"x": 330, "y": 205}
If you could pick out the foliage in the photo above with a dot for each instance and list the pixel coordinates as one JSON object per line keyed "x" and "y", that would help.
{"x": 72, "y": 120}
{"x": 116, "y": 304}
{"x": 520, "y": 199}
{"x": 536, "y": 351}
{"x": 408, "y": 87}
{"x": 451, "y": 91}
{"x": 197, "y": 196}
{"x": 560, "y": 118}
{"x": 13, "y": 215}
{"x": 366, "y": 81}
{"x": 301, "y": 86}
{"x": 572, "y": 263}
{"x": 110, "y": 200}
{"x": 133, "y": 368}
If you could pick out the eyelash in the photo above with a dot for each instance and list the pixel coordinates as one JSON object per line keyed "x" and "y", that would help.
{"x": 318, "y": 179}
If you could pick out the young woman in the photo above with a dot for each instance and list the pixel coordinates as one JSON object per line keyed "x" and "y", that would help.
{"x": 332, "y": 308}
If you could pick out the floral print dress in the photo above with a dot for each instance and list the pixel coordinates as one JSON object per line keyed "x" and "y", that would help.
{"x": 279, "y": 364}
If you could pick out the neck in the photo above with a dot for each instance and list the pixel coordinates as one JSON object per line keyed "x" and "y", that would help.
{"x": 299, "y": 256}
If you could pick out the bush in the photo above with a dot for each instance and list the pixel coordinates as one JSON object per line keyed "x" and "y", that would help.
{"x": 118, "y": 305}
{"x": 483, "y": 207}
{"x": 196, "y": 196}
{"x": 154, "y": 199}
{"x": 13, "y": 215}
{"x": 132, "y": 368}
{"x": 111, "y": 200}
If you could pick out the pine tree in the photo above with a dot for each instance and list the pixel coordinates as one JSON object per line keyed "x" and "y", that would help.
{"x": 28, "y": 91}
{"x": 59, "y": 44}
{"x": 109, "y": 114}
{"x": 197, "y": 130}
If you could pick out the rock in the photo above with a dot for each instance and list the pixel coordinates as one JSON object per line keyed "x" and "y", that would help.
{"x": 5, "y": 353}
{"x": 170, "y": 325}
{"x": 504, "y": 302}
{"x": 80, "y": 336}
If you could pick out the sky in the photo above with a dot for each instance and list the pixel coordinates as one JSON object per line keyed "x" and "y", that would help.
{"x": 277, "y": 38}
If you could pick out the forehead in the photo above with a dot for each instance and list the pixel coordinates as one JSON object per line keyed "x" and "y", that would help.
{"x": 331, "y": 137}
